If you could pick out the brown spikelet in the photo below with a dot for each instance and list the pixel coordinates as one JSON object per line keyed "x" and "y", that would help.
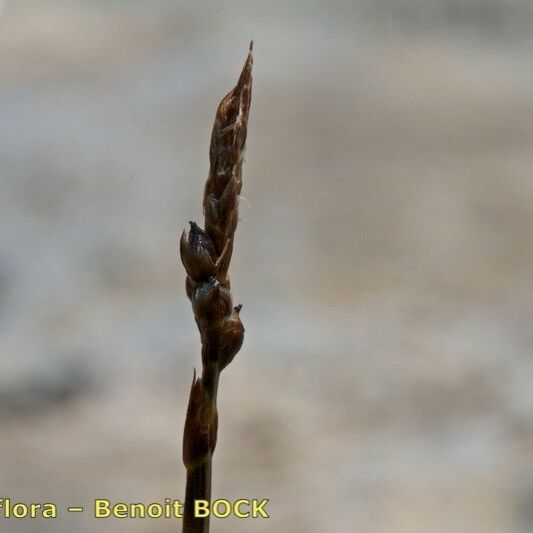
{"x": 228, "y": 140}
{"x": 206, "y": 256}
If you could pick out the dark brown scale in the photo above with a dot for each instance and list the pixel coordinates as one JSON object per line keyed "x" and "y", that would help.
{"x": 201, "y": 240}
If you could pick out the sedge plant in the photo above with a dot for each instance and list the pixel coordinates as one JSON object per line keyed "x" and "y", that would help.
{"x": 206, "y": 255}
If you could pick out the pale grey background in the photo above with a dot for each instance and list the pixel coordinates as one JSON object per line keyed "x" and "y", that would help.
{"x": 384, "y": 259}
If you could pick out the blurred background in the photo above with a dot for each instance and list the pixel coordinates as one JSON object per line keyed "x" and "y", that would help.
{"x": 384, "y": 259}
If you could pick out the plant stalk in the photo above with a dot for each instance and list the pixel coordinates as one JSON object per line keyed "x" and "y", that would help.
{"x": 198, "y": 485}
{"x": 206, "y": 255}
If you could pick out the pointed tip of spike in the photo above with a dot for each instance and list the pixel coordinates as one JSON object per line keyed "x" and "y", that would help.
{"x": 251, "y": 45}
{"x": 245, "y": 78}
